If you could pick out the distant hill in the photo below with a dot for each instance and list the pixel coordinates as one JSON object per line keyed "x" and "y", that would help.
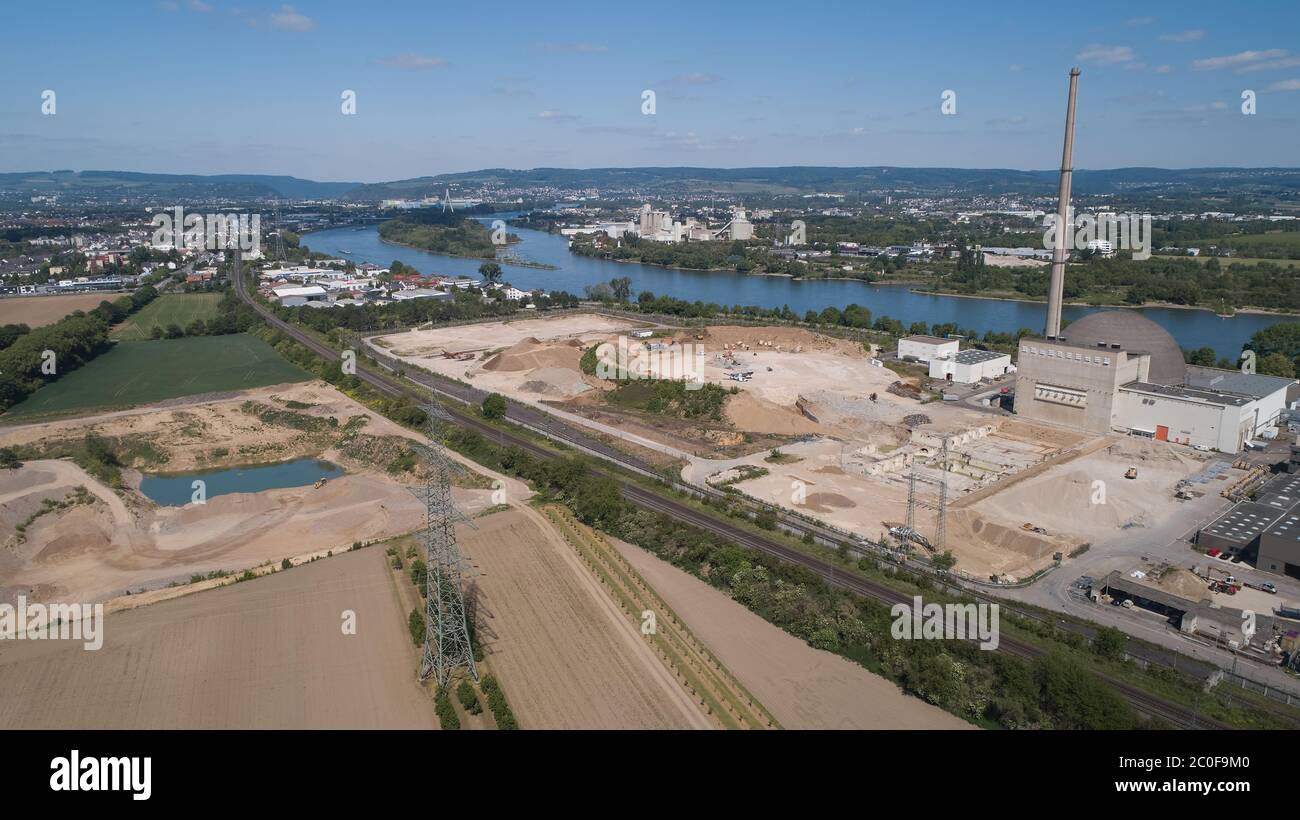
{"x": 779, "y": 180}
{"x": 811, "y": 179}
{"x": 128, "y": 183}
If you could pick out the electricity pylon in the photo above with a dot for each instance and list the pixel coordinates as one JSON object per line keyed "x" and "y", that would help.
{"x": 446, "y": 631}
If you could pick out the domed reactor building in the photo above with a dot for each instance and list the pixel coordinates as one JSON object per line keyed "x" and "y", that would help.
{"x": 1119, "y": 371}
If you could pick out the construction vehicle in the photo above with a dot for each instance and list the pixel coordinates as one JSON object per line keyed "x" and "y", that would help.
{"x": 1131, "y": 472}
{"x": 320, "y": 482}
{"x": 1028, "y": 526}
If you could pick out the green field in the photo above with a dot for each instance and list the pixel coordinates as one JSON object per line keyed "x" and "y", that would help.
{"x": 172, "y": 309}
{"x": 142, "y": 372}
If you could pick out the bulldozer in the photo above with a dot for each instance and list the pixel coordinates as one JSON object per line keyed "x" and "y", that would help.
{"x": 1131, "y": 472}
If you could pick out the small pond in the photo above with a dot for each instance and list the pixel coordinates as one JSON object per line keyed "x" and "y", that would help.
{"x": 178, "y": 489}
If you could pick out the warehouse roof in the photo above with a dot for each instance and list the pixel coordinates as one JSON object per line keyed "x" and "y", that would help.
{"x": 977, "y": 356}
{"x": 928, "y": 340}
{"x": 1174, "y": 391}
{"x": 1233, "y": 381}
{"x": 1244, "y": 522}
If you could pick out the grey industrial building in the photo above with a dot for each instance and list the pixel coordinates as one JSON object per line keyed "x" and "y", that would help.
{"x": 1200, "y": 617}
{"x": 1268, "y": 525}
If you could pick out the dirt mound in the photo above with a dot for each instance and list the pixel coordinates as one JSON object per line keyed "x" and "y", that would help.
{"x": 562, "y": 382}
{"x": 965, "y": 526}
{"x": 531, "y": 354}
{"x": 1183, "y": 583}
{"x": 824, "y": 502}
{"x": 755, "y": 415}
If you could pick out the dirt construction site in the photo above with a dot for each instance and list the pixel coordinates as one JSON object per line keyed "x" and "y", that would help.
{"x": 854, "y": 437}
{"x": 116, "y": 540}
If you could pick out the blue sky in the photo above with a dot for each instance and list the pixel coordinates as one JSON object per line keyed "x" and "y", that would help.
{"x": 207, "y": 86}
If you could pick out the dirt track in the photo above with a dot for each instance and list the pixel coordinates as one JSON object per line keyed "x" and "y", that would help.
{"x": 263, "y": 654}
{"x": 566, "y": 658}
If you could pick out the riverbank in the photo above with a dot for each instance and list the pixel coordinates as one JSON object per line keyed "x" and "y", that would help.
{"x": 1191, "y": 328}
{"x": 1254, "y": 311}
{"x": 519, "y": 263}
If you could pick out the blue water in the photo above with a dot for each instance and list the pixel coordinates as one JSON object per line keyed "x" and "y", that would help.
{"x": 178, "y": 490}
{"x": 1191, "y": 328}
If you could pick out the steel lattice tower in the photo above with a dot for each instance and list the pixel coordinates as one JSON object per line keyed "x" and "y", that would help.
{"x": 446, "y": 631}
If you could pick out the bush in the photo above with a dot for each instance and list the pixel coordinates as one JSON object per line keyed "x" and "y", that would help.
{"x": 286, "y": 564}
{"x": 468, "y": 698}
{"x": 416, "y": 624}
{"x": 447, "y": 718}
{"x": 505, "y": 719}
{"x": 494, "y": 406}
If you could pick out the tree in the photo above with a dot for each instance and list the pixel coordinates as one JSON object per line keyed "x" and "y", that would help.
{"x": 494, "y": 406}
{"x": 622, "y": 288}
{"x": 174, "y": 331}
{"x": 1276, "y": 364}
{"x": 9, "y": 459}
{"x": 491, "y": 272}
{"x": 1202, "y": 356}
{"x": 415, "y": 622}
{"x": 1110, "y": 643}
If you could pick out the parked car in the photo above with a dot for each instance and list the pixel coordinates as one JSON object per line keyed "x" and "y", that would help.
{"x": 1214, "y": 553}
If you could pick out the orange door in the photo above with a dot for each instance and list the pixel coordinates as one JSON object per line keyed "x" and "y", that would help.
{"x": 1162, "y": 433}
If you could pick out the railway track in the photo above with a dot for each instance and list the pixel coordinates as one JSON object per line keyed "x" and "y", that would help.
{"x": 1143, "y": 702}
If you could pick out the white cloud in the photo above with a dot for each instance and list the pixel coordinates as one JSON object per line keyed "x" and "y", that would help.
{"x": 413, "y": 61}
{"x": 1239, "y": 59}
{"x": 1106, "y": 55}
{"x": 1164, "y": 69}
{"x": 555, "y": 116}
{"x": 290, "y": 19}
{"x": 1189, "y": 36}
{"x": 1270, "y": 65}
{"x": 1285, "y": 85}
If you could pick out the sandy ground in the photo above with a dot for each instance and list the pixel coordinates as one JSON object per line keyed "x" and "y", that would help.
{"x": 193, "y": 432}
{"x": 37, "y": 311}
{"x": 263, "y": 654}
{"x": 125, "y": 542}
{"x": 803, "y": 687}
{"x": 566, "y": 656}
{"x": 821, "y": 480}
{"x": 1061, "y": 500}
{"x": 994, "y": 260}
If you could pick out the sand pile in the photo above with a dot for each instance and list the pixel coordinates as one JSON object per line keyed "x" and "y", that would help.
{"x": 531, "y": 354}
{"x": 755, "y": 415}
{"x": 1183, "y": 583}
{"x": 971, "y": 535}
{"x": 560, "y": 382}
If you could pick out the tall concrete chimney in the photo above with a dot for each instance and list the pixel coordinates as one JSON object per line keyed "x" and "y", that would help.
{"x": 1064, "y": 226}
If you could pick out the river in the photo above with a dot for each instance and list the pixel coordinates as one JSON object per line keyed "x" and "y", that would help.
{"x": 1191, "y": 328}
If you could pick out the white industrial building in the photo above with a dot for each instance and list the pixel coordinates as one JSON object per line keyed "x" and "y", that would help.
{"x": 970, "y": 366}
{"x": 1118, "y": 371}
{"x": 294, "y": 296}
{"x": 927, "y": 348}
